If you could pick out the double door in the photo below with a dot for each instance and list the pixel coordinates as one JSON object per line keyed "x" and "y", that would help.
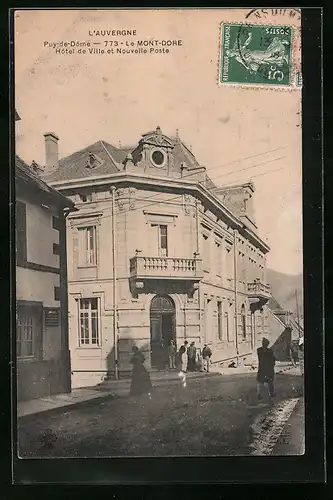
{"x": 162, "y": 331}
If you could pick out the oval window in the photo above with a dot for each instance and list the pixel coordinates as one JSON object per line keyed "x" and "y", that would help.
{"x": 158, "y": 158}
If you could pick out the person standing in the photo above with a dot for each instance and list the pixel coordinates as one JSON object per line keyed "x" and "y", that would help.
{"x": 266, "y": 365}
{"x": 206, "y": 355}
{"x": 181, "y": 364}
{"x": 179, "y": 359}
{"x": 140, "y": 383}
{"x": 172, "y": 355}
{"x": 191, "y": 357}
{"x": 293, "y": 354}
{"x": 199, "y": 361}
{"x": 184, "y": 349}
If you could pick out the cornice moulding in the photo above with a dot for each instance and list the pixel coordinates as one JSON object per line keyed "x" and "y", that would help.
{"x": 150, "y": 180}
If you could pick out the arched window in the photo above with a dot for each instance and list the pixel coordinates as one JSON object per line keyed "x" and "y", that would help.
{"x": 243, "y": 318}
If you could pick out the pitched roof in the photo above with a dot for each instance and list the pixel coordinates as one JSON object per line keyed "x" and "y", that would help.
{"x": 287, "y": 319}
{"x": 75, "y": 166}
{"x": 182, "y": 154}
{"x": 24, "y": 174}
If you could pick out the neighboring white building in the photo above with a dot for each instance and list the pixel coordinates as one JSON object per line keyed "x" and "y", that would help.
{"x": 189, "y": 262}
{"x": 43, "y": 361}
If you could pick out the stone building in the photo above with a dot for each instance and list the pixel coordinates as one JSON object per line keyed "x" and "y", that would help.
{"x": 283, "y": 329}
{"x": 156, "y": 251}
{"x": 43, "y": 361}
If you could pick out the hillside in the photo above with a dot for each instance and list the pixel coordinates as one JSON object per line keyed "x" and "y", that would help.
{"x": 283, "y": 288}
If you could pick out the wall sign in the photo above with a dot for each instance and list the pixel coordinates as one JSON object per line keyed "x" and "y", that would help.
{"x": 51, "y": 316}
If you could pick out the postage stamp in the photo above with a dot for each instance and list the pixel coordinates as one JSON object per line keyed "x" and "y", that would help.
{"x": 256, "y": 55}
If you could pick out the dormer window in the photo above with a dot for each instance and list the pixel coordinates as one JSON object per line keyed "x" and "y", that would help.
{"x": 158, "y": 158}
{"x": 92, "y": 161}
{"x": 35, "y": 167}
{"x": 85, "y": 198}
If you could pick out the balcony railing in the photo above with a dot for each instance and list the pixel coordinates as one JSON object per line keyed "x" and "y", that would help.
{"x": 166, "y": 267}
{"x": 259, "y": 289}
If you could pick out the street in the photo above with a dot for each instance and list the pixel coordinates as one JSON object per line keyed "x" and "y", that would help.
{"x": 212, "y": 415}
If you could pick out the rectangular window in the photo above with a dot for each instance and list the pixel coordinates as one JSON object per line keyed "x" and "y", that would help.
{"x": 231, "y": 323}
{"x": 243, "y": 322}
{"x": 206, "y": 252}
{"x": 28, "y": 331}
{"x": 164, "y": 240}
{"x": 241, "y": 266}
{"x": 56, "y": 249}
{"x": 230, "y": 266}
{"x": 89, "y": 317}
{"x": 160, "y": 232}
{"x": 219, "y": 321}
{"x": 87, "y": 246}
{"x": 208, "y": 319}
{"x": 57, "y": 293}
{"x": 218, "y": 258}
{"x": 21, "y": 233}
{"x": 56, "y": 224}
{"x": 226, "y": 324}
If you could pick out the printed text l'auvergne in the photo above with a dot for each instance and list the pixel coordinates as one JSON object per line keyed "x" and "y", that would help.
{"x": 112, "y": 32}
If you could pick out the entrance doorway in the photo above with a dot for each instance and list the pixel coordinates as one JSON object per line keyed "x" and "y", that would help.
{"x": 162, "y": 329}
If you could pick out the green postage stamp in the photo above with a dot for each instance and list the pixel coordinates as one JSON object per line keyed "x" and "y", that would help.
{"x": 257, "y": 55}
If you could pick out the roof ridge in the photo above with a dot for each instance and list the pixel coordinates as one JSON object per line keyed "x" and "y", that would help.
{"x": 187, "y": 152}
{"x": 86, "y": 148}
{"x": 109, "y": 154}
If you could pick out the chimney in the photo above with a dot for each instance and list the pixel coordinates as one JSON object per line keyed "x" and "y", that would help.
{"x": 51, "y": 151}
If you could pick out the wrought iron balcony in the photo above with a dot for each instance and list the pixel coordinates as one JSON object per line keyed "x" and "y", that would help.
{"x": 165, "y": 268}
{"x": 259, "y": 290}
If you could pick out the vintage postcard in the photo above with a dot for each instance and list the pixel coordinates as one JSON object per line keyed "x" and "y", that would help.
{"x": 159, "y": 264}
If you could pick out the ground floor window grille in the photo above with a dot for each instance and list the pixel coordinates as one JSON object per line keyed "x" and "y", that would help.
{"x": 89, "y": 322}
{"x": 24, "y": 337}
{"x": 28, "y": 331}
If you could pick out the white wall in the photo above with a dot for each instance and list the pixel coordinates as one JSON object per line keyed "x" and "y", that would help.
{"x": 41, "y": 235}
{"x": 36, "y": 286}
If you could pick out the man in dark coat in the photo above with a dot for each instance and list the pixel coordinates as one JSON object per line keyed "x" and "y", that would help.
{"x": 206, "y": 355}
{"x": 183, "y": 350}
{"x": 293, "y": 354}
{"x": 265, "y": 373}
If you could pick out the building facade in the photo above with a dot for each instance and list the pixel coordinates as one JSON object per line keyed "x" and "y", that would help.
{"x": 283, "y": 330}
{"x": 156, "y": 252}
{"x": 43, "y": 360}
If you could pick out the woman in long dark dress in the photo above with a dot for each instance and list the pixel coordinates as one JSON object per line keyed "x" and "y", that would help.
{"x": 140, "y": 383}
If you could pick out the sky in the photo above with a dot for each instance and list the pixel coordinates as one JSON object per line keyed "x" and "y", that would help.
{"x": 237, "y": 133}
